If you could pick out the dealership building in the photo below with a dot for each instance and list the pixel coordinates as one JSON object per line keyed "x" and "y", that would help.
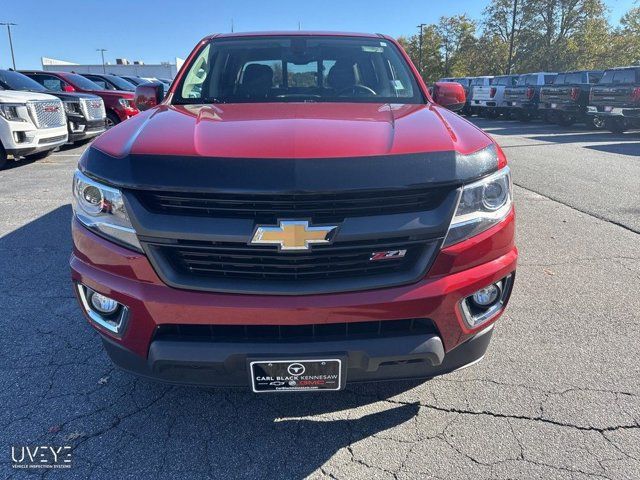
{"x": 121, "y": 67}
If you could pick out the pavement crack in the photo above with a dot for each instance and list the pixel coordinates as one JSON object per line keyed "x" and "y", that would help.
{"x": 591, "y": 214}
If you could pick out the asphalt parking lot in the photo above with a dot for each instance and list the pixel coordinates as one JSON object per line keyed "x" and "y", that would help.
{"x": 557, "y": 396}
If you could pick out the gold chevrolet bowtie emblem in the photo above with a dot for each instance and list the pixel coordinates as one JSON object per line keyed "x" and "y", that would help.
{"x": 293, "y": 235}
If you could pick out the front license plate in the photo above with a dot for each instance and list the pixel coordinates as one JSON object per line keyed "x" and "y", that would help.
{"x": 608, "y": 109}
{"x": 296, "y": 375}
{"x": 513, "y": 104}
{"x": 554, "y": 105}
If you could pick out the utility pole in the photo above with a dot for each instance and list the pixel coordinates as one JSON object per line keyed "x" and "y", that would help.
{"x": 9, "y": 25}
{"x": 421, "y": 26}
{"x": 102, "y": 50}
{"x": 232, "y": 25}
{"x": 512, "y": 35}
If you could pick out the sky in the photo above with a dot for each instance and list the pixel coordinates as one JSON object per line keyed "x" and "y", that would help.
{"x": 160, "y": 30}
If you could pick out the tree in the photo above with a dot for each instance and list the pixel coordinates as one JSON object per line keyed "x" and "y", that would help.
{"x": 457, "y": 34}
{"x": 508, "y": 21}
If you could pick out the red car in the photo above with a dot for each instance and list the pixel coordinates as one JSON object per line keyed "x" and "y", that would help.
{"x": 118, "y": 104}
{"x": 296, "y": 214}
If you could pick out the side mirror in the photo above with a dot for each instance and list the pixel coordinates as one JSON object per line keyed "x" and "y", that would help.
{"x": 68, "y": 88}
{"x": 449, "y": 95}
{"x": 148, "y": 95}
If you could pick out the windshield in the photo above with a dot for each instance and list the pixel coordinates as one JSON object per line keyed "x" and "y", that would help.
{"x": 17, "y": 81}
{"x": 121, "y": 83}
{"x": 298, "y": 69}
{"x": 81, "y": 82}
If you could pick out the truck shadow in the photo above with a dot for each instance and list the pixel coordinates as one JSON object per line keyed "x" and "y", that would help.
{"x": 54, "y": 367}
{"x": 552, "y": 133}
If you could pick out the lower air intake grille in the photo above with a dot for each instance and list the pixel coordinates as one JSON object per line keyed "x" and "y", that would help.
{"x": 295, "y": 333}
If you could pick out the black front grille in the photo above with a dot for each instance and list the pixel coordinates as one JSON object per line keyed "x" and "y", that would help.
{"x": 269, "y": 207}
{"x": 295, "y": 333}
{"x": 223, "y": 260}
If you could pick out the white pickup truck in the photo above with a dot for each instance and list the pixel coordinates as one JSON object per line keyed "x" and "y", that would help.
{"x": 31, "y": 125}
{"x": 489, "y": 99}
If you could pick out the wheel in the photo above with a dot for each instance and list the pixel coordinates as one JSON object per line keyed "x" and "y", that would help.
{"x": 40, "y": 155}
{"x": 524, "y": 116}
{"x": 615, "y": 125}
{"x": 3, "y": 158}
{"x": 112, "y": 120}
{"x": 492, "y": 113}
{"x": 595, "y": 122}
{"x": 566, "y": 120}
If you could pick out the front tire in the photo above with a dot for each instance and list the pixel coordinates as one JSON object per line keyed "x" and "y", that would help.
{"x": 3, "y": 158}
{"x": 594, "y": 122}
{"x": 616, "y": 125}
{"x": 112, "y": 120}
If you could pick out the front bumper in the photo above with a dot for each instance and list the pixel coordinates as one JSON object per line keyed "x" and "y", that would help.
{"x": 226, "y": 364}
{"x": 82, "y": 129}
{"x": 129, "y": 278}
{"x": 32, "y": 139}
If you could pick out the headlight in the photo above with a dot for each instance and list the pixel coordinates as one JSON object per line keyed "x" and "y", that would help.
{"x": 11, "y": 111}
{"x": 101, "y": 209}
{"x": 124, "y": 102}
{"x": 72, "y": 108}
{"x": 482, "y": 205}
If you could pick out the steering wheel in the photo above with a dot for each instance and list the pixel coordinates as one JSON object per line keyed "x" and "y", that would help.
{"x": 354, "y": 89}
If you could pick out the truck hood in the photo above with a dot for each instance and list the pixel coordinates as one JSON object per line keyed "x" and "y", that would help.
{"x": 292, "y": 130}
{"x": 15, "y": 96}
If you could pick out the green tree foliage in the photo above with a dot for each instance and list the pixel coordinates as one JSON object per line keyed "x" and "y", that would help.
{"x": 525, "y": 36}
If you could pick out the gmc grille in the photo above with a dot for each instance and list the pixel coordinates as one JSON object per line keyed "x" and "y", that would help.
{"x": 93, "y": 109}
{"x": 47, "y": 113}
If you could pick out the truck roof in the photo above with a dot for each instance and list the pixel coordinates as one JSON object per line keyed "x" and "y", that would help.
{"x": 301, "y": 33}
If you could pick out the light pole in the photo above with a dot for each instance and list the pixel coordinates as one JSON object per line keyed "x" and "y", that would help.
{"x": 421, "y": 26}
{"x": 102, "y": 50}
{"x": 9, "y": 25}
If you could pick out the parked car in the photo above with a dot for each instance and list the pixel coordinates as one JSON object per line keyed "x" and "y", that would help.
{"x": 565, "y": 101}
{"x": 483, "y": 81}
{"x": 110, "y": 82}
{"x": 489, "y": 99}
{"x": 32, "y": 124}
{"x": 140, "y": 81}
{"x": 86, "y": 115}
{"x": 134, "y": 80}
{"x": 297, "y": 234}
{"x": 616, "y": 98}
{"x": 523, "y": 100}
{"x": 119, "y": 105}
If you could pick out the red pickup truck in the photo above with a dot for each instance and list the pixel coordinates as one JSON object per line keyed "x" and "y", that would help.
{"x": 118, "y": 104}
{"x": 297, "y": 213}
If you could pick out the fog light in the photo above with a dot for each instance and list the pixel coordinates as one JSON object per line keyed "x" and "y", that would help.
{"x": 103, "y": 311}
{"x": 103, "y": 304}
{"x": 487, "y": 296}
